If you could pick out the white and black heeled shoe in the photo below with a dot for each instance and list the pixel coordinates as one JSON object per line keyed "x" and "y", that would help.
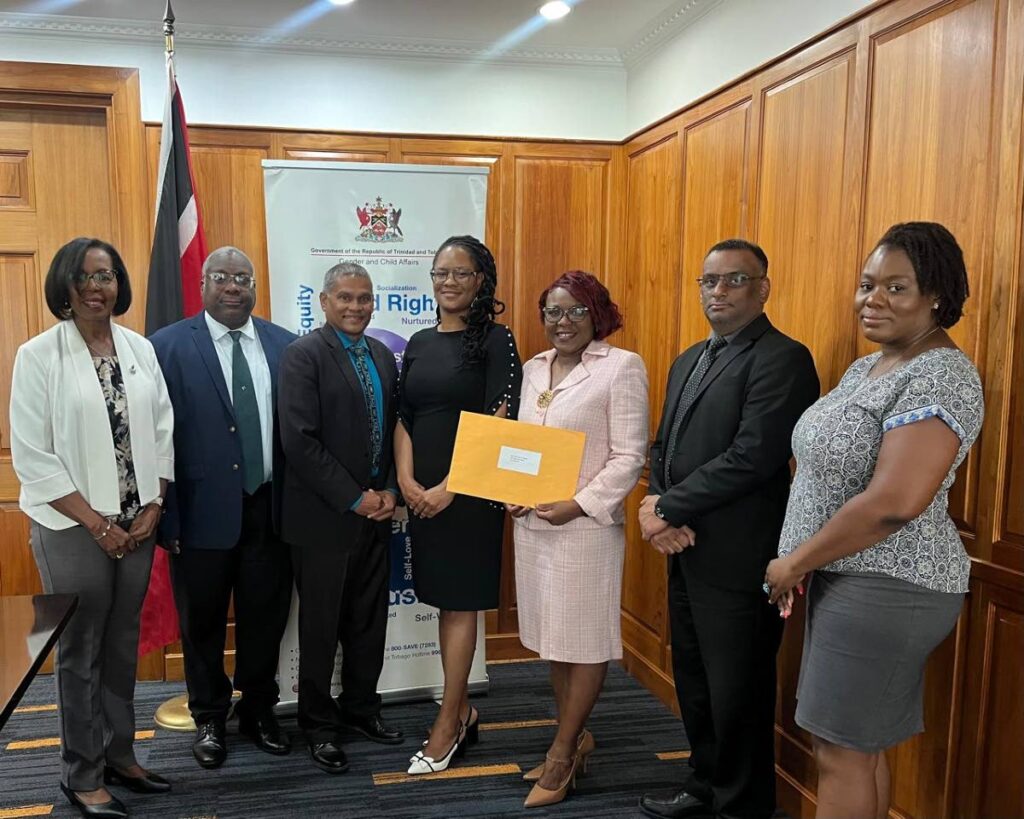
{"x": 420, "y": 763}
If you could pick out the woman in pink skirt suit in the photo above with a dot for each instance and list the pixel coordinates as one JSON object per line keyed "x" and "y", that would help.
{"x": 569, "y": 554}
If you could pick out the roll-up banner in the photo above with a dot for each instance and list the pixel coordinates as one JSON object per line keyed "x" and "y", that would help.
{"x": 390, "y": 219}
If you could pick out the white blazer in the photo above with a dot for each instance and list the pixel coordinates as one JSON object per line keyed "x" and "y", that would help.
{"x": 605, "y": 396}
{"x": 60, "y": 429}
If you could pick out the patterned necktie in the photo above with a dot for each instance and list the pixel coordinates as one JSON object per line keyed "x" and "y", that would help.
{"x": 370, "y": 398}
{"x": 247, "y": 416}
{"x": 686, "y": 397}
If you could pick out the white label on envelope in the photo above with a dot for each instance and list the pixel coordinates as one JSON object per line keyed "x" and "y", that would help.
{"x": 519, "y": 460}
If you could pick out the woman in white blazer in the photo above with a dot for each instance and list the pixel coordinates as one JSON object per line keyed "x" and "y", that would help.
{"x": 569, "y": 554}
{"x": 91, "y": 443}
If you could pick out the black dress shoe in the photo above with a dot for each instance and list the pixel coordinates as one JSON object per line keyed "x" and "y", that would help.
{"x": 150, "y": 783}
{"x": 329, "y": 757}
{"x": 210, "y": 747}
{"x": 674, "y": 804}
{"x": 266, "y": 733}
{"x": 374, "y": 729}
{"x": 114, "y": 809}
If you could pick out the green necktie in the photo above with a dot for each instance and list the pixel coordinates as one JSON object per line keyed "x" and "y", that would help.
{"x": 247, "y": 416}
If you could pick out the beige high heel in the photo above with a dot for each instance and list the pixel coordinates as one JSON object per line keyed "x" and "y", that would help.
{"x": 584, "y": 748}
{"x": 540, "y": 797}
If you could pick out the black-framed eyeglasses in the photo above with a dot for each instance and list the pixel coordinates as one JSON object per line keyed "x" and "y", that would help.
{"x": 243, "y": 280}
{"x": 732, "y": 280}
{"x": 102, "y": 278}
{"x": 439, "y": 275}
{"x": 576, "y": 314}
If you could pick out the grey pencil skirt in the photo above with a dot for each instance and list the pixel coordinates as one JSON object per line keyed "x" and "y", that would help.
{"x": 866, "y": 642}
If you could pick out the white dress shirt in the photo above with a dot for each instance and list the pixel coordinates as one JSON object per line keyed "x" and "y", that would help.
{"x": 260, "y": 371}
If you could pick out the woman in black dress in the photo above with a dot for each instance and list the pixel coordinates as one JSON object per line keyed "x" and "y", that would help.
{"x": 466, "y": 363}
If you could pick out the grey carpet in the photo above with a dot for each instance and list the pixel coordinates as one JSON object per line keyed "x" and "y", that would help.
{"x": 631, "y": 727}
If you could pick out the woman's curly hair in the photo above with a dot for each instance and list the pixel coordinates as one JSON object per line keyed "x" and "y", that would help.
{"x": 485, "y": 306}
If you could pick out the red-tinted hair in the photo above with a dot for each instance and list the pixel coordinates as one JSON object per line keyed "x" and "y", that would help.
{"x": 589, "y": 292}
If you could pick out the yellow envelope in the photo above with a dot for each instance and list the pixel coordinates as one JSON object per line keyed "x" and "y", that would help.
{"x": 515, "y": 462}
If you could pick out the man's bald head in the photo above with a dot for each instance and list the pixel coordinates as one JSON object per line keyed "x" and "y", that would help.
{"x": 224, "y": 254}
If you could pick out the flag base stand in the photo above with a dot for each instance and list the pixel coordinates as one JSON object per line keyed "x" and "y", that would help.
{"x": 174, "y": 715}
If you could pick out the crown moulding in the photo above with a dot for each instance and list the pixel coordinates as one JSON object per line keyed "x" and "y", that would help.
{"x": 657, "y": 32}
{"x": 664, "y": 28}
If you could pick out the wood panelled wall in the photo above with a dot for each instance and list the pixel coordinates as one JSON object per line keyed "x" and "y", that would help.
{"x": 911, "y": 111}
{"x": 536, "y": 191}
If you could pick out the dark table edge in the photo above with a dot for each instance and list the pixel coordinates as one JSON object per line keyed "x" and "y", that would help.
{"x": 19, "y": 692}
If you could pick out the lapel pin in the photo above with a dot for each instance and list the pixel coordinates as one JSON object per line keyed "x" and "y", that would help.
{"x": 131, "y": 369}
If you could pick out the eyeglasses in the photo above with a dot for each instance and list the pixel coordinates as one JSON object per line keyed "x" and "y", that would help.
{"x": 243, "y": 280}
{"x": 460, "y": 276}
{"x": 576, "y": 314}
{"x": 732, "y": 280}
{"x": 102, "y": 278}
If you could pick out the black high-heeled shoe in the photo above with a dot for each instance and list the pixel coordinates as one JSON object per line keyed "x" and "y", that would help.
{"x": 472, "y": 725}
{"x": 150, "y": 783}
{"x": 114, "y": 809}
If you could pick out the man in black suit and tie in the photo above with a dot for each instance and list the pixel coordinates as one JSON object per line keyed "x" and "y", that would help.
{"x": 719, "y": 484}
{"x": 337, "y": 405}
{"x": 221, "y": 369}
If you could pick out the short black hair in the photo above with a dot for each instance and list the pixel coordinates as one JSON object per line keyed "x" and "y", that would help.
{"x": 742, "y": 244}
{"x": 938, "y": 263}
{"x": 67, "y": 264}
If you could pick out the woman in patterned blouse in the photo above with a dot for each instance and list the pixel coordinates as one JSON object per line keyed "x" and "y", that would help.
{"x": 868, "y": 515}
{"x": 91, "y": 443}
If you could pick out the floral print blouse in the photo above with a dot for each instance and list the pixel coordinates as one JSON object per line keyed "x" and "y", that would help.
{"x": 112, "y": 383}
{"x": 836, "y": 444}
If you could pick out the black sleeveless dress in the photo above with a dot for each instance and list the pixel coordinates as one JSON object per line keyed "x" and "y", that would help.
{"x": 456, "y": 556}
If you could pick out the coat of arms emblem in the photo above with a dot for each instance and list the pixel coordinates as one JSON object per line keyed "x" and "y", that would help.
{"x": 378, "y": 222}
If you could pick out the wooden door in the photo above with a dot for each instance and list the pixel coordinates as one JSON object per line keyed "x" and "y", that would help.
{"x": 54, "y": 186}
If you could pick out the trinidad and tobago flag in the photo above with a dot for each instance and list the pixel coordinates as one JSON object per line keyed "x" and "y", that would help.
{"x": 175, "y": 267}
{"x": 179, "y": 247}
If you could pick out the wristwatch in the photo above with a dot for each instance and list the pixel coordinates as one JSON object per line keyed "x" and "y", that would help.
{"x": 658, "y": 512}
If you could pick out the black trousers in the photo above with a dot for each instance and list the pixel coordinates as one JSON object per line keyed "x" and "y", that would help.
{"x": 724, "y": 644}
{"x": 343, "y": 600}
{"x": 257, "y": 571}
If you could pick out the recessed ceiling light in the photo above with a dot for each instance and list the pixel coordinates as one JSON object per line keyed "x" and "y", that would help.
{"x": 342, "y": 2}
{"x": 555, "y": 10}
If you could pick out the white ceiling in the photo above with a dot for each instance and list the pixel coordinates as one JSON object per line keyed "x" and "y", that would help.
{"x": 609, "y": 32}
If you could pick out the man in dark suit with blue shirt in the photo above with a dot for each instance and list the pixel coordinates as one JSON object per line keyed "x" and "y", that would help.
{"x": 337, "y": 404}
{"x": 221, "y": 372}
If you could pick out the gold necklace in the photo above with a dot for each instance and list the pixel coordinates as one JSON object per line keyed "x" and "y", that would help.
{"x": 911, "y": 346}
{"x": 97, "y": 353}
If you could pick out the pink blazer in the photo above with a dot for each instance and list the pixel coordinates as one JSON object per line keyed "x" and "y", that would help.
{"x": 605, "y": 397}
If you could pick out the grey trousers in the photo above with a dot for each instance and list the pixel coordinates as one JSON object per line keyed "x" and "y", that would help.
{"x": 96, "y": 654}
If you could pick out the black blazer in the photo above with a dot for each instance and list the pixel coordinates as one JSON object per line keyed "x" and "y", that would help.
{"x": 731, "y": 463}
{"x": 204, "y": 502}
{"x": 325, "y": 432}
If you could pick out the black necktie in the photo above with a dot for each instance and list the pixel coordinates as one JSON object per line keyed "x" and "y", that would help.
{"x": 247, "y": 416}
{"x": 370, "y": 398}
{"x": 686, "y": 397}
